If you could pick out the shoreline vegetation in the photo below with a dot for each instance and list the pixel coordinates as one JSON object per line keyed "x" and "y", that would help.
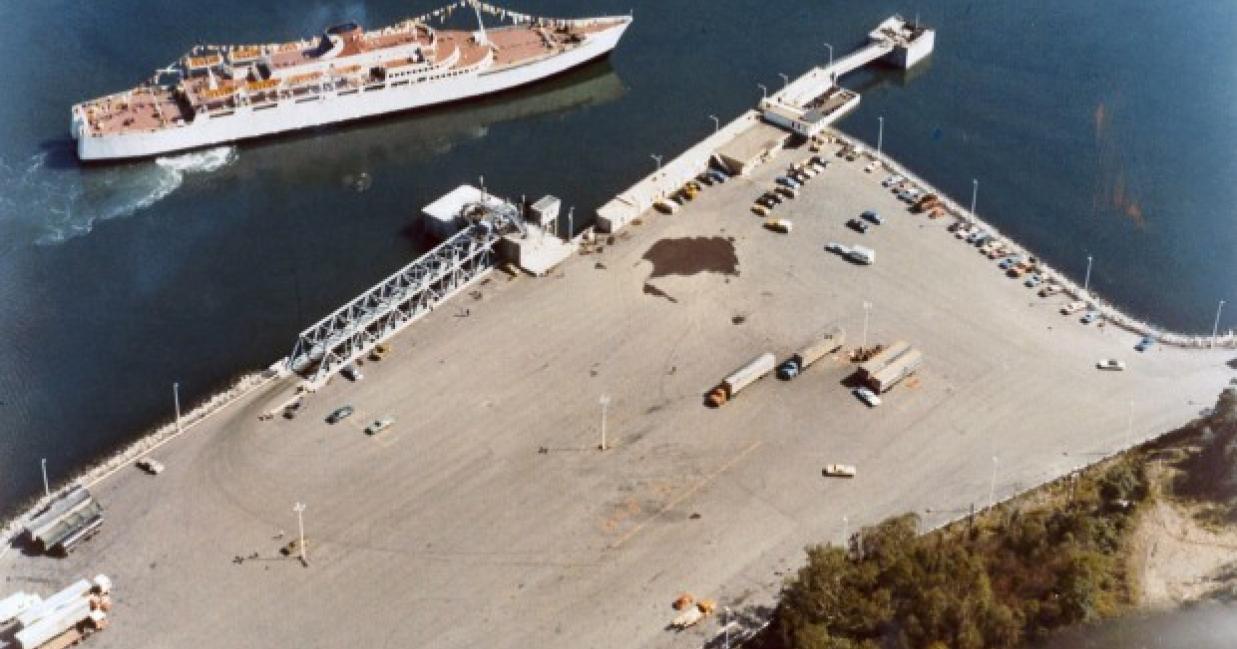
{"x": 1090, "y": 546}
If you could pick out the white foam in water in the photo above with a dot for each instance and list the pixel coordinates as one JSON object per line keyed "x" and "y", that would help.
{"x": 49, "y": 206}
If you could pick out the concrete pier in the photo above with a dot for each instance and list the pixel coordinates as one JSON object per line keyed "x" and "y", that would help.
{"x": 488, "y": 516}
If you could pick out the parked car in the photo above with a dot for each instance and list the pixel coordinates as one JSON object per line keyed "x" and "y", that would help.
{"x": 1049, "y": 289}
{"x": 975, "y": 236}
{"x": 786, "y": 182}
{"x": 340, "y": 414}
{"x": 289, "y": 411}
{"x": 788, "y": 192}
{"x": 1110, "y": 364}
{"x": 1090, "y": 316}
{"x": 379, "y": 425}
{"x": 871, "y": 166}
{"x": 717, "y": 175}
{"x": 773, "y": 197}
{"x": 1009, "y": 262}
{"x": 892, "y": 180}
{"x": 819, "y": 167}
{"x": 857, "y": 225}
{"x": 839, "y": 471}
{"x": 872, "y": 217}
{"x": 1073, "y": 307}
{"x": 836, "y": 247}
{"x": 1033, "y": 281}
{"x": 1146, "y": 343}
{"x": 867, "y": 396}
{"x": 351, "y": 373}
{"x": 760, "y": 209}
{"x": 767, "y": 201}
{"x": 150, "y": 465}
{"x": 705, "y": 178}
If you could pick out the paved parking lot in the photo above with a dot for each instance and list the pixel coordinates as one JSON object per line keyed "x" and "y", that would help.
{"x": 486, "y": 517}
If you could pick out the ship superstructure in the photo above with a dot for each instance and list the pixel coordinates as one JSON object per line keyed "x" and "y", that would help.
{"x": 217, "y": 94}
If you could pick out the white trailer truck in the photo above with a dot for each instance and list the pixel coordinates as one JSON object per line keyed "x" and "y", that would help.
{"x": 741, "y": 378}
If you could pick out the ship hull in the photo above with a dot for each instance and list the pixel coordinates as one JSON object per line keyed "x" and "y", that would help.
{"x": 247, "y": 123}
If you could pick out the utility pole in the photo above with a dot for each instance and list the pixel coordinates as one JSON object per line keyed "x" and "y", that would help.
{"x": 299, "y": 508}
{"x": 880, "y": 134}
{"x": 176, "y": 400}
{"x": 1215, "y": 328}
{"x": 605, "y": 403}
{"x": 46, "y": 489}
{"x": 992, "y": 484}
{"x": 867, "y": 307}
{"x": 974, "y": 195}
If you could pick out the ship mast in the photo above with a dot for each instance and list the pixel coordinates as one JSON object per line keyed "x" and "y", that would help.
{"x": 481, "y": 38}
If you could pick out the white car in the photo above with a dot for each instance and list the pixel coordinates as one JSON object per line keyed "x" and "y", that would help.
{"x": 1073, "y": 307}
{"x": 351, "y": 373}
{"x": 1110, "y": 364}
{"x": 150, "y": 465}
{"x": 836, "y": 247}
{"x": 892, "y": 180}
{"x": 872, "y": 166}
{"x": 840, "y": 471}
{"x": 379, "y": 425}
{"x": 867, "y": 396}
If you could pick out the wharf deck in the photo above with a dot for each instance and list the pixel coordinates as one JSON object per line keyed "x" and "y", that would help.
{"x": 485, "y": 516}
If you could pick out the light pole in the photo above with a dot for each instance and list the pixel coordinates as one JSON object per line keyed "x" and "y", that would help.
{"x": 830, "y": 59}
{"x": 299, "y": 508}
{"x": 974, "y": 194}
{"x": 867, "y": 307}
{"x": 785, "y": 79}
{"x": 657, "y": 159}
{"x": 880, "y": 134}
{"x": 764, "y": 90}
{"x": 726, "y": 628}
{"x": 605, "y": 403}
{"x": 571, "y": 223}
{"x": 1086, "y": 283}
{"x": 717, "y": 123}
{"x": 1215, "y": 328}
{"x": 992, "y": 484}
{"x": 176, "y": 400}
{"x": 46, "y": 489}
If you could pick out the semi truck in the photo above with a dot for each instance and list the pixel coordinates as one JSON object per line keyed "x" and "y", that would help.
{"x": 831, "y": 341}
{"x": 740, "y": 379}
{"x": 883, "y": 371}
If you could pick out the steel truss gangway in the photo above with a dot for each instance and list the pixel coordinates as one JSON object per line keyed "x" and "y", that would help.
{"x": 395, "y": 302}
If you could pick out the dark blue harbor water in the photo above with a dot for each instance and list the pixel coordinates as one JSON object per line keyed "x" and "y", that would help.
{"x": 1101, "y": 129}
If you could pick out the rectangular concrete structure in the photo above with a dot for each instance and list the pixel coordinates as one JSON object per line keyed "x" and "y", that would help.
{"x": 486, "y": 517}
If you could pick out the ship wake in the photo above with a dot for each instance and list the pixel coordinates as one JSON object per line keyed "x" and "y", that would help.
{"x": 43, "y": 205}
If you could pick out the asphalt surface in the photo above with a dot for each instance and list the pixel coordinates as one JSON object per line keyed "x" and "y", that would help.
{"x": 487, "y": 516}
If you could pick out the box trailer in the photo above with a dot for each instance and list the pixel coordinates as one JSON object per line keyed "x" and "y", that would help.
{"x": 57, "y": 622}
{"x": 829, "y": 342}
{"x": 16, "y": 604}
{"x": 896, "y": 370}
{"x": 741, "y": 378}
